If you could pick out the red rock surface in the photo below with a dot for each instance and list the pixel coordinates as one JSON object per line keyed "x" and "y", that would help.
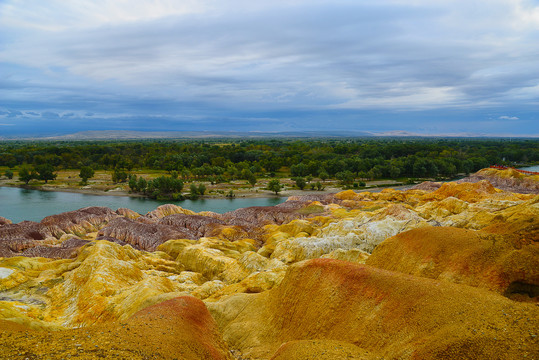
{"x": 180, "y": 328}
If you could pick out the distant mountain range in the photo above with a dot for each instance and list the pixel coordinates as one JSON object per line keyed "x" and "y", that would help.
{"x": 118, "y": 134}
{"x": 134, "y": 135}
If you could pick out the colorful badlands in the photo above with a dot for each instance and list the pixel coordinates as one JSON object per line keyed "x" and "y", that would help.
{"x": 443, "y": 271}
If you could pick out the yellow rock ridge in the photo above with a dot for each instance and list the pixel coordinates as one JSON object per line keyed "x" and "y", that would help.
{"x": 419, "y": 274}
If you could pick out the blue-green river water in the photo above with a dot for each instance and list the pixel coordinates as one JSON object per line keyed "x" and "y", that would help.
{"x": 531, "y": 168}
{"x": 20, "y": 204}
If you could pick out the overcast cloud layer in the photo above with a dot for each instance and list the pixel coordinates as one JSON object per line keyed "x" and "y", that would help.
{"x": 430, "y": 67}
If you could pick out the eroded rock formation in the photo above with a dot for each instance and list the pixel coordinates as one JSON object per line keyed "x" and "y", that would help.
{"x": 387, "y": 314}
{"x": 141, "y": 235}
{"x": 509, "y": 180}
{"x": 78, "y": 222}
{"x": 29, "y": 238}
{"x": 440, "y": 271}
{"x": 177, "y": 328}
{"x": 199, "y": 226}
{"x": 506, "y": 264}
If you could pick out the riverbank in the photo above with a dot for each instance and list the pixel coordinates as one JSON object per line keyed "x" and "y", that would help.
{"x": 100, "y": 185}
{"x": 251, "y": 193}
{"x": 88, "y": 191}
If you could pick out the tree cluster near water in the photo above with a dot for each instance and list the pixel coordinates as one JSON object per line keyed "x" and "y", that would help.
{"x": 44, "y": 172}
{"x": 216, "y": 161}
{"x": 162, "y": 187}
{"x": 275, "y": 186}
{"x": 86, "y": 172}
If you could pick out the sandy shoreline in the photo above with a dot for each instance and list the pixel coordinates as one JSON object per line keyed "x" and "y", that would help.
{"x": 78, "y": 191}
{"x": 250, "y": 193}
{"x": 261, "y": 193}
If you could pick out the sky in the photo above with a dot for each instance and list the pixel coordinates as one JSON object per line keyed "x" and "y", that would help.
{"x": 418, "y": 66}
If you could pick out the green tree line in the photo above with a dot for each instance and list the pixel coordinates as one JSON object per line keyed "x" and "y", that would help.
{"x": 225, "y": 160}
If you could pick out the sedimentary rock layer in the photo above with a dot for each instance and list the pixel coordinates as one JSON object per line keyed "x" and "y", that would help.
{"x": 507, "y": 264}
{"x": 387, "y": 314}
{"x": 509, "y": 180}
{"x": 440, "y": 271}
{"x": 180, "y": 328}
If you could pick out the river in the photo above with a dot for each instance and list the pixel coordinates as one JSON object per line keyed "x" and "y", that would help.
{"x": 530, "y": 168}
{"x": 19, "y": 204}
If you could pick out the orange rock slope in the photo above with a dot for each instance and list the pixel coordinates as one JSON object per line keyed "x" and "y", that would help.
{"x": 442, "y": 271}
{"x": 180, "y": 328}
{"x": 386, "y": 314}
{"x": 506, "y": 264}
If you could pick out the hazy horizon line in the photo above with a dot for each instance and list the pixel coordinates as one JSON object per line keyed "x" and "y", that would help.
{"x": 179, "y": 134}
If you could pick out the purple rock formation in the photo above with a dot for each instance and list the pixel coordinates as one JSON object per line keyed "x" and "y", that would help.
{"x": 116, "y": 241}
{"x": 27, "y": 230}
{"x": 261, "y": 215}
{"x": 144, "y": 236}
{"x": 427, "y": 186}
{"x": 127, "y": 213}
{"x": 142, "y": 232}
{"x": 67, "y": 250}
{"x": 198, "y": 225}
{"x": 324, "y": 199}
{"x": 19, "y": 239}
{"x": 89, "y": 218}
{"x": 512, "y": 184}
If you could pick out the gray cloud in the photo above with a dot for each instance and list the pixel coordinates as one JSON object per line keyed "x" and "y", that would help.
{"x": 10, "y": 113}
{"x": 262, "y": 56}
{"x": 50, "y": 115}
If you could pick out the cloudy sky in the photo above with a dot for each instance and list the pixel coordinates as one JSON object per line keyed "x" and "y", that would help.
{"x": 423, "y": 66}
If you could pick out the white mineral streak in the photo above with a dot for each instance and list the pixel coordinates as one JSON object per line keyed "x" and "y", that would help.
{"x": 5, "y": 272}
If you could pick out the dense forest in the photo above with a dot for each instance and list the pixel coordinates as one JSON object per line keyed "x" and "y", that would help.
{"x": 222, "y": 160}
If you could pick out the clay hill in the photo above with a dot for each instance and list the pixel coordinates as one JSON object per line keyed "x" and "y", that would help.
{"x": 441, "y": 271}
